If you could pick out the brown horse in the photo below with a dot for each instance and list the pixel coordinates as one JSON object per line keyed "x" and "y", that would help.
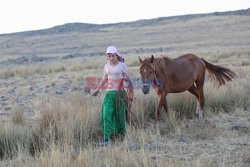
{"x": 186, "y": 72}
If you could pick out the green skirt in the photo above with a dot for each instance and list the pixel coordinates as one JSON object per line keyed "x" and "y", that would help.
{"x": 113, "y": 119}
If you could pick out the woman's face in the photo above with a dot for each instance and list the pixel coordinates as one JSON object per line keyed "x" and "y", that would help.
{"x": 112, "y": 58}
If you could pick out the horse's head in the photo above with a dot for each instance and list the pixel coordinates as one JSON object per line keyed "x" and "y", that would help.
{"x": 147, "y": 73}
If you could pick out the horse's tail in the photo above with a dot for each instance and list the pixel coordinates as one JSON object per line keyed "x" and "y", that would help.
{"x": 219, "y": 74}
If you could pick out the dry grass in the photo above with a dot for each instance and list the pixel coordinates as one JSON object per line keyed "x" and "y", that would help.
{"x": 14, "y": 142}
{"x": 67, "y": 131}
{"x": 17, "y": 116}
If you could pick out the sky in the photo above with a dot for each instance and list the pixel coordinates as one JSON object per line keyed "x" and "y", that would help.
{"x": 25, "y": 15}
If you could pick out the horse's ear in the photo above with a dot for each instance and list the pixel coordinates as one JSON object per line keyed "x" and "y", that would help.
{"x": 140, "y": 59}
{"x": 152, "y": 59}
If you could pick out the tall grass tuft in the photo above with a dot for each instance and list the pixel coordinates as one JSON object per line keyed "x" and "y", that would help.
{"x": 14, "y": 140}
{"x": 183, "y": 104}
{"x": 17, "y": 116}
{"x": 70, "y": 121}
{"x": 226, "y": 98}
{"x": 143, "y": 109}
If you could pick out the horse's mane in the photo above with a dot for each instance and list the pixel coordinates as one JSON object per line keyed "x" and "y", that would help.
{"x": 160, "y": 64}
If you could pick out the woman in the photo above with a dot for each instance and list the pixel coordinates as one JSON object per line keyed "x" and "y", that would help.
{"x": 114, "y": 107}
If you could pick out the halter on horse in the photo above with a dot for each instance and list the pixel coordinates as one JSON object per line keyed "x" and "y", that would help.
{"x": 186, "y": 72}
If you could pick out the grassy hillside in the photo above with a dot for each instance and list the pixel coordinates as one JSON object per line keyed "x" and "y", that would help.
{"x": 188, "y": 33}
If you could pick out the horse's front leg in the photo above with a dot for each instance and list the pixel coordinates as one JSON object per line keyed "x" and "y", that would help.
{"x": 161, "y": 103}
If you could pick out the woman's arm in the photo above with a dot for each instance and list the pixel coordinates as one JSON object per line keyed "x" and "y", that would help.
{"x": 101, "y": 84}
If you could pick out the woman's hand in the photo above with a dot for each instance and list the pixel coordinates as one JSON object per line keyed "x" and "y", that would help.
{"x": 95, "y": 92}
{"x": 125, "y": 76}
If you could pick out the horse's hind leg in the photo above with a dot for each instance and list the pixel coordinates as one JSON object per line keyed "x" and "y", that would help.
{"x": 195, "y": 92}
{"x": 201, "y": 97}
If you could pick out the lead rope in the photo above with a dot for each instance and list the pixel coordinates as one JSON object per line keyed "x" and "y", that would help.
{"x": 129, "y": 95}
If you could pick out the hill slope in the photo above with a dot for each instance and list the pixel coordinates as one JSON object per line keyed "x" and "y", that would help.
{"x": 177, "y": 33}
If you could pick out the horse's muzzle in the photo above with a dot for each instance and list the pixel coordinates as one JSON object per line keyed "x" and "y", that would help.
{"x": 145, "y": 89}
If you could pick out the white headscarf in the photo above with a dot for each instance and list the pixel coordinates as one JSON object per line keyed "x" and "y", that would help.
{"x": 113, "y": 50}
